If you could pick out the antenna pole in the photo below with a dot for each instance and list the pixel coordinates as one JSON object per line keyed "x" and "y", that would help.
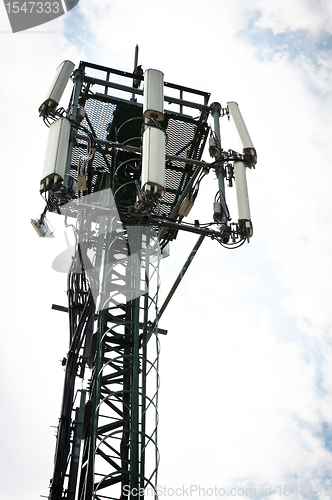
{"x": 216, "y": 107}
{"x": 133, "y": 98}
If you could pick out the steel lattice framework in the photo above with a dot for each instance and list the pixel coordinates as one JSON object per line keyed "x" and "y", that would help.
{"x": 107, "y": 434}
{"x": 120, "y": 430}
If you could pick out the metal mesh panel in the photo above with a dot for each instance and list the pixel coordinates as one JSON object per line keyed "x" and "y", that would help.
{"x": 182, "y": 139}
{"x": 179, "y": 135}
{"x": 100, "y": 114}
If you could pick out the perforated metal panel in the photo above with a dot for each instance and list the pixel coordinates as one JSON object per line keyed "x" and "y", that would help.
{"x": 99, "y": 114}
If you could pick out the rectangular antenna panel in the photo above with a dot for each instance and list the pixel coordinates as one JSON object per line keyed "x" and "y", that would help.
{"x": 56, "y": 154}
{"x": 153, "y": 160}
{"x": 240, "y": 125}
{"x": 58, "y": 86}
{"x": 241, "y": 190}
{"x": 153, "y": 106}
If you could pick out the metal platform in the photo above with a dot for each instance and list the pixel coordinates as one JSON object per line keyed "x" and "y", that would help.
{"x": 117, "y": 121}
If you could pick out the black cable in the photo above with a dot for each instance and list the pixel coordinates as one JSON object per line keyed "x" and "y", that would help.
{"x": 62, "y": 113}
{"x": 81, "y": 307}
{"x": 64, "y": 431}
{"x": 232, "y": 246}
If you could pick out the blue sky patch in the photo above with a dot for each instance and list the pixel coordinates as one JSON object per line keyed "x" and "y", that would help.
{"x": 326, "y": 435}
{"x": 77, "y": 30}
{"x": 293, "y": 43}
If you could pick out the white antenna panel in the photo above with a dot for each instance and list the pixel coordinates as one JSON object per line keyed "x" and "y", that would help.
{"x": 57, "y": 87}
{"x": 241, "y": 127}
{"x": 56, "y": 154}
{"x": 241, "y": 191}
{"x": 153, "y": 161}
{"x": 153, "y": 106}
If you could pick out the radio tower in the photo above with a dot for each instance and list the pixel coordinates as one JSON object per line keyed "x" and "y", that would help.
{"x": 123, "y": 165}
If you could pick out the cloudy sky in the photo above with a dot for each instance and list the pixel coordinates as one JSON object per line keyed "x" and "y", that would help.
{"x": 246, "y": 367}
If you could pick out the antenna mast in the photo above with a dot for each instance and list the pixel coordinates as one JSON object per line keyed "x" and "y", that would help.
{"x": 126, "y": 171}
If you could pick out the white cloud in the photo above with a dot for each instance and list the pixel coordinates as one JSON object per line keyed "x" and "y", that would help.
{"x": 282, "y": 16}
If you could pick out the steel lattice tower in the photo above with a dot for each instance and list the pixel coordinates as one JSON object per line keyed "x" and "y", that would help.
{"x": 107, "y": 444}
